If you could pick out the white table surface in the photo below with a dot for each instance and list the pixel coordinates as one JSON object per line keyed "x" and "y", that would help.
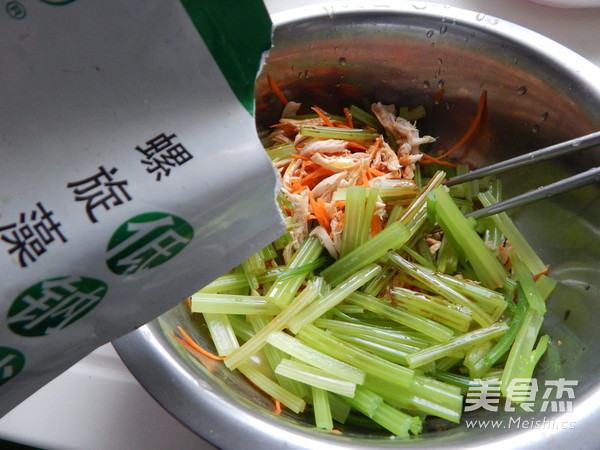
{"x": 97, "y": 404}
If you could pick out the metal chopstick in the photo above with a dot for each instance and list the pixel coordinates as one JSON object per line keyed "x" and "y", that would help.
{"x": 580, "y": 143}
{"x": 566, "y": 184}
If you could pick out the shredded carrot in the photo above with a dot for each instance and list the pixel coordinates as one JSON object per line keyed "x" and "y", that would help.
{"x": 302, "y": 157}
{"x": 356, "y": 146}
{"x": 276, "y": 90}
{"x": 277, "y": 409}
{"x": 189, "y": 341}
{"x": 376, "y": 224}
{"x": 375, "y": 172}
{"x": 364, "y": 177}
{"x": 348, "y": 118}
{"x": 481, "y": 109}
{"x": 188, "y": 302}
{"x": 336, "y": 431}
{"x": 545, "y": 272}
{"x": 439, "y": 96}
{"x": 319, "y": 211}
{"x": 428, "y": 159}
{"x": 326, "y": 120}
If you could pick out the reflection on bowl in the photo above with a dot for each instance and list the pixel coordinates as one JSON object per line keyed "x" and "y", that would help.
{"x": 539, "y": 93}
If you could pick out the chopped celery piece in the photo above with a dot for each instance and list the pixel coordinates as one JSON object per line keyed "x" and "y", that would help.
{"x": 404, "y": 339}
{"x": 313, "y": 376}
{"x": 324, "y": 132}
{"x": 424, "y": 394}
{"x": 546, "y": 285}
{"x": 354, "y": 210}
{"x": 365, "y": 117}
{"x": 520, "y": 352}
{"x": 272, "y": 388}
{"x": 340, "y": 409}
{"x": 282, "y": 291}
{"x": 488, "y": 269}
{"x": 314, "y": 357}
{"x": 395, "y": 190}
{"x": 532, "y": 293}
{"x": 321, "y": 408}
{"x": 232, "y": 281}
{"x": 391, "y": 351}
{"x": 222, "y": 333}
{"x": 426, "y": 326}
{"x": 339, "y": 293}
{"x": 520, "y": 245}
{"x": 412, "y": 114}
{"x": 430, "y": 354}
{"x": 232, "y": 304}
{"x": 436, "y": 308}
{"x": 441, "y": 287}
{"x": 398, "y": 422}
{"x": 416, "y": 213}
{"x": 281, "y": 151}
{"x": 503, "y": 345}
{"x": 361, "y": 359}
{"x": 278, "y": 323}
{"x": 365, "y": 401}
{"x": 391, "y": 237}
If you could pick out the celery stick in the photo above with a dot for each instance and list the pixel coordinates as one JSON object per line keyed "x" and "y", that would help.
{"x": 231, "y": 304}
{"x": 417, "y": 257}
{"x": 514, "y": 236}
{"x": 393, "y": 190}
{"x": 321, "y": 408}
{"x": 313, "y": 376}
{"x": 398, "y": 422}
{"x": 365, "y": 117}
{"x": 278, "y": 323}
{"x": 488, "y": 269}
{"x": 476, "y": 353}
{"x": 439, "y": 332}
{"x": 377, "y": 284}
{"x": 532, "y": 294}
{"x": 354, "y": 210}
{"x": 281, "y": 151}
{"x": 360, "y": 359}
{"x": 242, "y": 329}
{"x": 271, "y": 388}
{"x": 416, "y": 212}
{"x": 388, "y": 350}
{"x": 282, "y": 291}
{"x": 366, "y": 218}
{"x": 417, "y": 397}
{"x": 435, "y": 308}
{"x": 231, "y": 281}
{"x": 340, "y": 409}
{"x": 522, "y": 347}
{"x": 324, "y": 132}
{"x": 365, "y": 401}
{"x": 488, "y": 300}
{"x": 302, "y": 270}
{"x": 350, "y": 309}
{"x": 316, "y": 358}
{"x": 324, "y": 304}
{"x": 430, "y": 354}
{"x": 222, "y": 333}
{"x": 534, "y": 357}
{"x": 395, "y": 214}
{"x": 411, "y": 342}
{"x": 391, "y": 237}
{"x": 503, "y": 345}
{"x": 437, "y": 284}
{"x": 545, "y": 285}
{"x": 274, "y": 357}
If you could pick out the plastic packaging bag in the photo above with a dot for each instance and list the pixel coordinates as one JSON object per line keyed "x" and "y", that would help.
{"x": 131, "y": 177}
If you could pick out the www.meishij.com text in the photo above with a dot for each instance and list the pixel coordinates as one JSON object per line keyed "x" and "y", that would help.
{"x": 521, "y": 423}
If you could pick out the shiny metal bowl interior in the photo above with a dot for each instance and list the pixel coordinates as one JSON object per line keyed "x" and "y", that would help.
{"x": 538, "y": 93}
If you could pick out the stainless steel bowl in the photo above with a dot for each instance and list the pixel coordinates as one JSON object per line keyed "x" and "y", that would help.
{"x": 539, "y": 93}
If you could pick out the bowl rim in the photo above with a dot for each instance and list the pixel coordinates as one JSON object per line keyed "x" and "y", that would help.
{"x": 209, "y": 415}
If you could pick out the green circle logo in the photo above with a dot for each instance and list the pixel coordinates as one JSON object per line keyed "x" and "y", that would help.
{"x": 51, "y": 305}
{"x": 11, "y": 363}
{"x": 147, "y": 241}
